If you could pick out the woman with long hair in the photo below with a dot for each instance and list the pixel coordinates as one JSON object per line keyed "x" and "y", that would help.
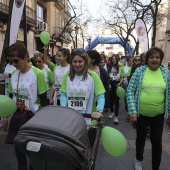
{"x": 93, "y": 62}
{"x": 116, "y": 79}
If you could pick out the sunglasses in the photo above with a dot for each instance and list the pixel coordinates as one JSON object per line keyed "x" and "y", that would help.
{"x": 137, "y": 60}
{"x": 39, "y": 61}
{"x": 15, "y": 61}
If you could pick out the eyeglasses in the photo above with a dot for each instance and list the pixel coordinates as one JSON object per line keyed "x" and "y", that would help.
{"x": 39, "y": 61}
{"x": 137, "y": 60}
{"x": 15, "y": 61}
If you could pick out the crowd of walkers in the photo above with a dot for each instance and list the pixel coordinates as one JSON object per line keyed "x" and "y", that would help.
{"x": 87, "y": 81}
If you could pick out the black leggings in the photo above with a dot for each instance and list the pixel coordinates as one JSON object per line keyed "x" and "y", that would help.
{"x": 114, "y": 99}
{"x": 156, "y": 129}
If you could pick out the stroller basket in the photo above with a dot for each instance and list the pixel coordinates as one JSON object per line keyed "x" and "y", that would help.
{"x": 56, "y": 137}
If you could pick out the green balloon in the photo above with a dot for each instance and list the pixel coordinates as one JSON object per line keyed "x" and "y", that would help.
{"x": 45, "y": 37}
{"x": 120, "y": 92}
{"x": 7, "y": 106}
{"x": 113, "y": 141}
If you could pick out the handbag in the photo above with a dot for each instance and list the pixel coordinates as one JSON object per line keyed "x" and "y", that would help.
{"x": 19, "y": 118}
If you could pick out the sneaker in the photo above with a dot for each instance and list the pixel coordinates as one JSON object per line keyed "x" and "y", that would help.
{"x": 111, "y": 115}
{"x": 116, "y": 121}
{"x": 169, "y": 132}
{"x": 128, "y": 118}
{"x": 138, "y": 165}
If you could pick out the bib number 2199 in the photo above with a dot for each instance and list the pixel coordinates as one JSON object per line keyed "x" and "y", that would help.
{"x": 77, "y": 103}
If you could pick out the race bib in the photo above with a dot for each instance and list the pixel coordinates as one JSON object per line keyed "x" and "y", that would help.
{"x": 77, "y": 103}
{"x": 113, "y": 76}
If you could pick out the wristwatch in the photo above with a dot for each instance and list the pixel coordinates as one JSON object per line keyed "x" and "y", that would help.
{"x": 100, "y": 111}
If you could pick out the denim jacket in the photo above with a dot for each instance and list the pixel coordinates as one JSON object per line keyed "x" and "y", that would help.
{"x": 134, "y": 90}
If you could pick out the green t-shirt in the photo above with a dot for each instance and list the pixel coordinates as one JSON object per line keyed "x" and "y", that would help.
{"x": 152, "y": 97}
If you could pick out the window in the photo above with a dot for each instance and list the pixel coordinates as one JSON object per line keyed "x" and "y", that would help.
{"x": 40, "y": 13}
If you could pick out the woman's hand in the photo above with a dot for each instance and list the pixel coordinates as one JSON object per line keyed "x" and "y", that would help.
{"x": 119, "y": 84}
{"x": 6, "y": 76}
{"x": 5, "y": 124}
{"x": 133, "y": 117}
{"x": 96, "y": 115}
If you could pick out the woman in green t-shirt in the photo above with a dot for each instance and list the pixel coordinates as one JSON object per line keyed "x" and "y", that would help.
{"x": 148, "y": 98}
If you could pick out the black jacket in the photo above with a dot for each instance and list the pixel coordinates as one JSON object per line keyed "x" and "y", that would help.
{"x": 105, "y": 80}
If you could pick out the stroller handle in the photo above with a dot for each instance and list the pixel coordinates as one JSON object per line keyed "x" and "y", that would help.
{"x": 87, "y": 115}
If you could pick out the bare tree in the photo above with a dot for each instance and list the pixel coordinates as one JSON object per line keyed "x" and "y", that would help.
{"x": 152, "y": 14}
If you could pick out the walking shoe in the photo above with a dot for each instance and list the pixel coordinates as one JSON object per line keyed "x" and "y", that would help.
{"x": 138, "y": 165}
{"x": 128, "y": 118}
{"x": 169, "y": 132}
{"x": 111, "y": 115}
{"x": 116, "y": 121}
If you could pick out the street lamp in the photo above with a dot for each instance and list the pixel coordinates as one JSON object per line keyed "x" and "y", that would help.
{"x": 89, "y": 41}
{"x": 76, "y": 28}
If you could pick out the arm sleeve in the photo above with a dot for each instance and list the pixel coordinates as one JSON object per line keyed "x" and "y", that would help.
{"x": 43, "y": 99}
{"x": 100, "y": 102}
{"x": 131, "y": 90}
{"x": 63, "y": 99}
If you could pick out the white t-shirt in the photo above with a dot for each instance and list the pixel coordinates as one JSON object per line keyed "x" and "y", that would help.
{"x": 114, "y": 75}
{"x": 80, "y": 94}
{"x": 8, "y": 70}
{"x": 30, "y": 85}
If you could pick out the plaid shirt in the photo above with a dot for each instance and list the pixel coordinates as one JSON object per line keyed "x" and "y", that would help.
{"x": 134, "y": 90}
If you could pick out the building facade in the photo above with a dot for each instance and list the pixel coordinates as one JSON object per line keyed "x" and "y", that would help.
{"x": 41, "y": 15}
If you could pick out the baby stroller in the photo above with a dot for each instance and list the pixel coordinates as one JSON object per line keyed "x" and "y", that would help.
{"x": 55, "y": 139}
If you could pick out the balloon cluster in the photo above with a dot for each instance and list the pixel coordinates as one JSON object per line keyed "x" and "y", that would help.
{"x": 45, "y": 37}
{"x": 7, "y": 106}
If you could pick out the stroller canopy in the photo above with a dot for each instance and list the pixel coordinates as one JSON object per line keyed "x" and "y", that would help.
{"x": 61, "y": 131}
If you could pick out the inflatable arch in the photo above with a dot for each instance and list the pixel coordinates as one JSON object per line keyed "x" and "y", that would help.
{"x": 109, "y": 40}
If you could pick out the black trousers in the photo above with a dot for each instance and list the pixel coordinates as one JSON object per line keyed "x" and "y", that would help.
{"x": 156, "y": 130}
{"x": 114, "y": 99}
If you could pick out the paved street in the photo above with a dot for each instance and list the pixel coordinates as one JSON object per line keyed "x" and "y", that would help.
{"x": 105, "y": 161}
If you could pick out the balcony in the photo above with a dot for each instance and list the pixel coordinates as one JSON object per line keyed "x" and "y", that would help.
{"x": 30, "y": 13}
{"x": 58, "y": 3}
{"x": 31, "y": 16}
{"x": 4, "y": 8}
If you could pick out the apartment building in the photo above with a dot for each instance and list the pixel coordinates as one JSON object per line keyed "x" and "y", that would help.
{"x": 163, "y": 31}
{"x": 49, "y": 15}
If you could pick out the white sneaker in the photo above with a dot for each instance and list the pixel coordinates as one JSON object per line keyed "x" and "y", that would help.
{"x": 138, "y": 165}
{"x": 111, "y": 115}
{"x": 169, "y": 132}
{"x": 116, "y": 121}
